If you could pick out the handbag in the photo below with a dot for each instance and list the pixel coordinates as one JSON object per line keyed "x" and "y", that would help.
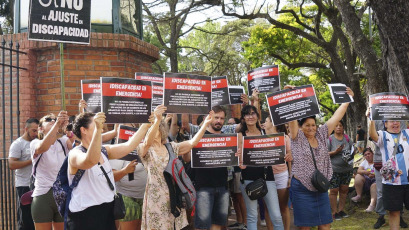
{"x": 318, "y": 180}
{"x": 258, "y": 188}
{"x": 119, "y": 205}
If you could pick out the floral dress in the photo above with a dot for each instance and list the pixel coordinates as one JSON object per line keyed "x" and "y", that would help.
{"x": 156, "y": 205}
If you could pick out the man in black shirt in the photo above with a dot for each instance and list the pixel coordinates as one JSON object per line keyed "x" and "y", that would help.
{"x": 360, "y": 139}
{"x": 211, "y": 185}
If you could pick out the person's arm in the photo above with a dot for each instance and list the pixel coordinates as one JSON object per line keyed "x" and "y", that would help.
{"x": 339, "y": 114}
{"x": 186, "y": 146}
{"x": 120, "y": 150}
{"x": 15, "y": 163}
{"x": 362, "y": 171}
{"x": 256, "y": 101}
{"x": 240, "y": 150}
{"x": 173, "y": 129}
{"x": 107, "y": 136}
{"x": 336, "y": 151}
{"x": 356, "y": 138}
{"x": 51, "y": 136}
{"x": 77, "y": 159}
{"x": 293, "y": 127}
{"x": 152, "y": 132}
{"x": 129, "y": 168}
{"x": 82, "y": 106}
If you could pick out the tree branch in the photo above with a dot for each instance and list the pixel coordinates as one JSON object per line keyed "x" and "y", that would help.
{"x": 299, "y": 64}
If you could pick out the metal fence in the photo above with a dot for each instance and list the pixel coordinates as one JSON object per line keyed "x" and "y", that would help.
{"x": 10, "y": 54}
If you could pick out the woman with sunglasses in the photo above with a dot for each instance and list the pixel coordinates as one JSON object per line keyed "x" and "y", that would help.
{"x": 48, "y": 153}
{"x": 394, "y": 147}
{"x": 250, "y": 126}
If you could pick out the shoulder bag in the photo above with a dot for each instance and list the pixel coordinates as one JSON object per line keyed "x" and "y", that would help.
{"x": 318, "y": 180}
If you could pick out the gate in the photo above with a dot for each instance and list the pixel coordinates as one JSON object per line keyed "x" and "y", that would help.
{"x": 10, "y": 129}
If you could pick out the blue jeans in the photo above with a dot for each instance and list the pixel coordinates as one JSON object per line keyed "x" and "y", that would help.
{"x": 271, "y": 199}
{"x": 212, "y": 206}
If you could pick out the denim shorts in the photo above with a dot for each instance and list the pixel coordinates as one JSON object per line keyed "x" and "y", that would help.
{"x": 310, "y": 208}
{"x": 212, "y": 205}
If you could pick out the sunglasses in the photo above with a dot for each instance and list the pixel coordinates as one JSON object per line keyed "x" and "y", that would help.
{"x": 49, "y": 119}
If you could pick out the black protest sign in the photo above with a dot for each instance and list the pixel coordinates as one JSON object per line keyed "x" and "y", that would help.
{"x": 338, "y": 93}
{"x": 264, "y": 150}
{"x": 389, "y": 106}
{"x": 292, "y": 104}
{"x": 215, "y": 150}
{"x": 235, "y": 93}
{"x": 126, "y": 100}
{"x": 60, "y": 21}
{"x": 265, "y": 79}
{"x": 187, "y": 93}
{"x": 220, "y": 91}
{"x": 124, "y": 133}
{"x": 91, "y": 93}
{"x": 149, "y": 77}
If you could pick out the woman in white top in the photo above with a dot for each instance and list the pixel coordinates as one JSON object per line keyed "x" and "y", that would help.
{"x": 91, "y": 205}
{"x": 48, "y": 153}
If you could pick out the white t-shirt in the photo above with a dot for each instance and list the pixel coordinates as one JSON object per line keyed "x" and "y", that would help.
{"x": 93, "y": 188}
{"x": 49, "y": 165}
{"x": 367, "y": 166}
{"x": 20, "y": 149}
{"x": 134, "y": 188}
{"x": 386, "y": 143}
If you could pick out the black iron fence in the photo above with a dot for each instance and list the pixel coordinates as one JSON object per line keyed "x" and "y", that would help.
{"x": 10, "y": 122}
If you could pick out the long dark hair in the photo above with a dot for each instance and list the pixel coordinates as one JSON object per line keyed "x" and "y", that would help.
{"x": 247, "y": 110}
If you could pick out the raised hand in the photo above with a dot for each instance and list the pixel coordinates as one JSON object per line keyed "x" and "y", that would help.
{"x": 99, "y": 120}
{"x": 159, "y": 110}
{"x": 255, "y": 94}
{"x": 82, "y": 105}
{"x": 62, "y": 118}
{"x": 209, "y": 118}
{"x": 245, "y": 99}
{"x": 350, "y": 92}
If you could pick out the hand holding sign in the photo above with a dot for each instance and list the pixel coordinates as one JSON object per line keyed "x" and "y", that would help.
{"x": 82, "y": 105}
{"x": 130, "y": 167}
{"x": 159, "y": 110}
{"x": 99, "y": 120}
{"x": 209, "y": 118}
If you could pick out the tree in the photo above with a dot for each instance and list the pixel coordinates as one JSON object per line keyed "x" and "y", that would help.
{"x": 6, "y": 11}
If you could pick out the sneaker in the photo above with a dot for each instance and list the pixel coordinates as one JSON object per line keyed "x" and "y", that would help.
{"x": 263, "y": 223}
{"x": 379, "y": 222}
{"x": 356, "y": 199}
{"x": 236, "y": 225}
{"x": 243, "y": 227}
{"x": 403, "y": 224}
{"x": 336, "y": 216}
{"x": 370, "y": 208}
{"x": 343, "y": 214}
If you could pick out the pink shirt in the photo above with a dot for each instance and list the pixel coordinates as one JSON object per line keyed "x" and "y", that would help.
{"x": 303, "y": 165}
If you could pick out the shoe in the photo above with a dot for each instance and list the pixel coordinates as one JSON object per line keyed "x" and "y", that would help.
{"x": 236, "y": 225}
{"x": 370, "y": 208}
{"x": 403, "y": 224}
{"x": 343, "y": 214}
{"x": 336, "y": 216}
{"x": 243, "y": 227}
{"x": 379, "y": 223}
{"x": 356, "y": 199}
{"x": 263, "y": 223}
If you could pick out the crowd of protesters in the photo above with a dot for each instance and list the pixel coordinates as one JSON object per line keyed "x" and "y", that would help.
{"x": 90, "y": 150}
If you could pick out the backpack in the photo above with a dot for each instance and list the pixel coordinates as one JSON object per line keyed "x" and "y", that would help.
{"x": 181, "y": 190}
{"x": 346, "y": 137}
{"x": 62, "y": 190}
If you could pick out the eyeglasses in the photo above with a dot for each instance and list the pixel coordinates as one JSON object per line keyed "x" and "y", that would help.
{"x": 252, "y": 114}
{"x": 49, "y": 119}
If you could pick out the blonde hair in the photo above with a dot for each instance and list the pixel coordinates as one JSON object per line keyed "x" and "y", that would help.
{"x": 164, "y": 131}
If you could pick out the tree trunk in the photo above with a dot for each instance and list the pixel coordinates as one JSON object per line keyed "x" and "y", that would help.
{"x": 173, "y": 57}
{"x": 392, "y": 19}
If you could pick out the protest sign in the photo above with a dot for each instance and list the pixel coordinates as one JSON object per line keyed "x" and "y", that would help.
{"x": 265, "y": 79}
{"x": 60, "y": 21}
{"x": 235, "y": 93}
{"x": 292, "y": 104}
{"x": 264, "y": 150}
{"x": 126, "y": 100}
{"x": 91, "y": 93}
{"x": 220, "y": 91}
{"x": 157, "y": 86}
{"x": 187, "y": 93}
{"x": 124, "y": 133}
{"x": 215, "y": 150}
{"x": 389, "y": 106}
{"x": 149, "y": 77}
{"x": 338, "y": 93}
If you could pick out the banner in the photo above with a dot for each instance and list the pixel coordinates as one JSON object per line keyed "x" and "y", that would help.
{"x": 235, "y": 93}
{"x": 338, "y": 93}
{"x": 124, "y": 133}
{"x": 389, "y": 106}
{"x": 149, "y": 77}
{"x": 292, "y": 104}
{"x": 220, "y": 91}
{"x": 264, "y": 150}
{"x": 265, "y": 79}
{"x": 60, "y": 21}
{"x": 215, "y": 150}
{"x": 187, "y": 93}
{"x": 91, "y": 93}
{"x": 126, "y": 100}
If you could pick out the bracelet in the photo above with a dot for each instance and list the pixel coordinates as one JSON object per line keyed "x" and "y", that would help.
{"x": 72, "y": 134}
